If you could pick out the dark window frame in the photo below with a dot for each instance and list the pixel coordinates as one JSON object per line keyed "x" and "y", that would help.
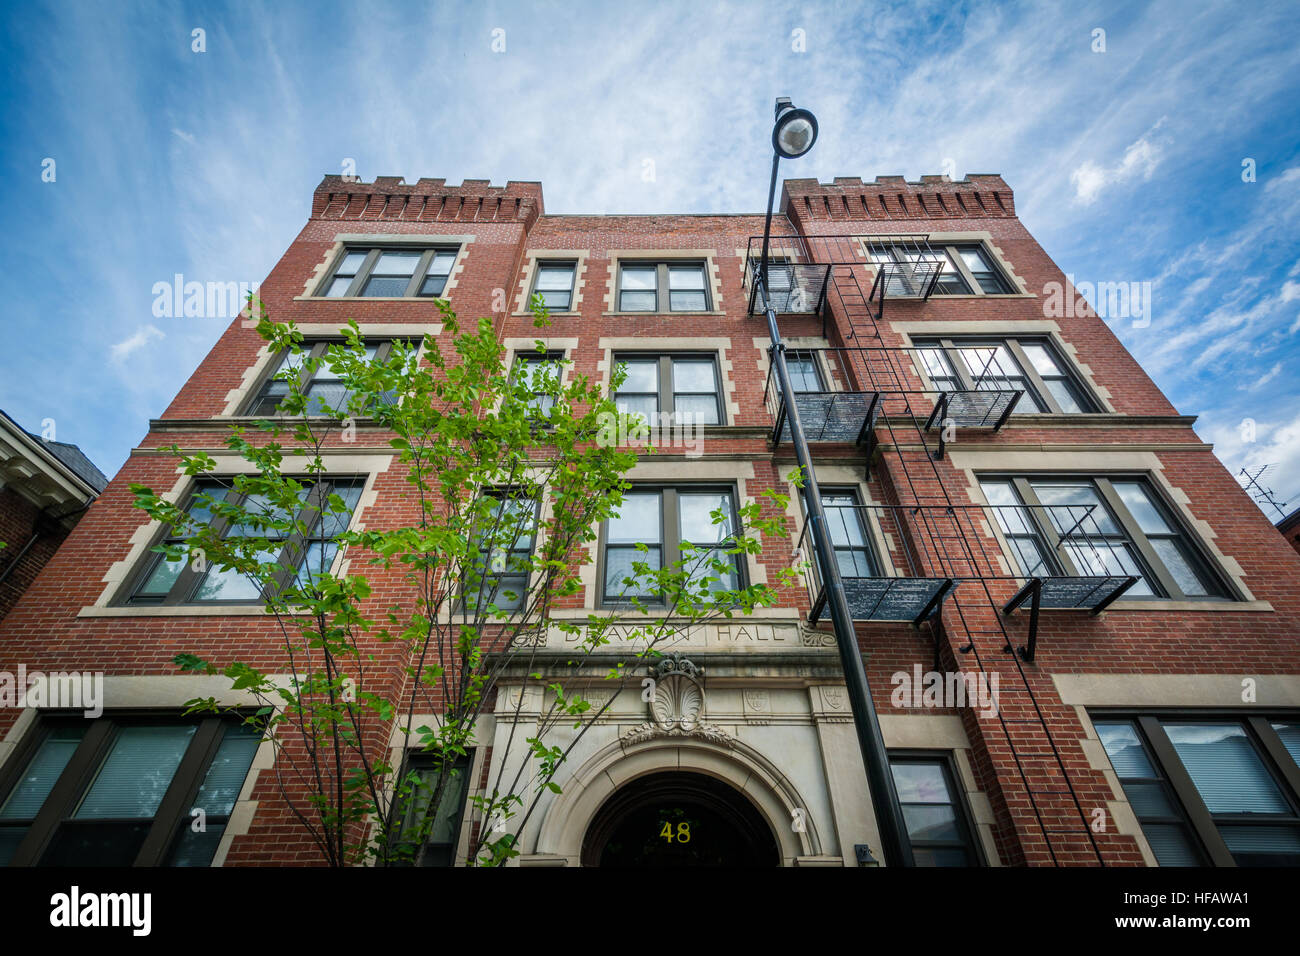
{"x": 662, "y": 290}
{"x": 533, "y": 357}
{"x": 1036, "y": 388}
{"x": 551, "y": 265}
{"x": 956, "y": 269}
{"x": 427, "y": 255}
{"x": 78, "y": 775}
{"x": 666, "y": 397}
{"x": 494, "y": 590}
{"x": 969, "y": 841}
{"x": 1277, "y": 761}
{"x": 1162, "y": 581}
{"x": 669, "y": 544}
{"x": 181, "y": 593}
{"x": 464, "y": 763}
{"x": 261, "y": 394}
{"x": 873, "y": 559}
{"x": 811, "y": 357}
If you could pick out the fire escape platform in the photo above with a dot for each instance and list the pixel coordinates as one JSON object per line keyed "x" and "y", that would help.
{"x": 985, "y": 408}
{"x": 831, "y": 417}
{"x": 889, "y": 599}
{"x": 1072, "y": 593}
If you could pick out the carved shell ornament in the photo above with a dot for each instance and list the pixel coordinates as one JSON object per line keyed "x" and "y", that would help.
{"x": 676, "y": 706}
{"x": 678, "y": 702}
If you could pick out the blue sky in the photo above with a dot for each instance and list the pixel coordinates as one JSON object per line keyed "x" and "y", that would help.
{"x": 1127, "y": 163}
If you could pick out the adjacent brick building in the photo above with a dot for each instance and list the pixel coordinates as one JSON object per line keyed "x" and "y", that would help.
{"x": 994, "y": 464}
{"x": 45, "y": 488}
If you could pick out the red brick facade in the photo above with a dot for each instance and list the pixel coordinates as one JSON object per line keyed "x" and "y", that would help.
{"x": 67, "y": 619}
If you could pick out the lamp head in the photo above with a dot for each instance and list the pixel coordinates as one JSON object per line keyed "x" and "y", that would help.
{"x": 795, "y": 130}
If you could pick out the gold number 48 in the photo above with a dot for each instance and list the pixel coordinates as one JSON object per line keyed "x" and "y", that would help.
{"x": 682, "y": 835}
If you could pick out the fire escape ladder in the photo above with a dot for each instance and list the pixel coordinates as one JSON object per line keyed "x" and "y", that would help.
{"x": 952, "y": 539}
{"x": 943, "y": 542}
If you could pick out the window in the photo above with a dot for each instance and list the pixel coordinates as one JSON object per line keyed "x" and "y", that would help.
{"x": 950, "y": 281}
{"x": 938, "y": 826}
{"x": 302, "y": 556}
{"x": 662, "y": 287}
{"x": 399, "y": 273}
{"x": 554, "y": 283}
{"x": 1210, "y": 787}
{"x": 501, "y": 563}
{"x": 121, "y": 791}
{"x": 675, "y": 524}
{"x": 789, "y": 289}
{"x": 968, "y": 269}
{"x": 540, "y": 373}
{"x": 440, "y": 844}
{"x": 1028, "y": 365}
{"x": 322, "y": 386}
{"x": 1100, "y": 526}
{"x": 853, "y": 551}
{"x": 981, "y": 269}
{"x": 683, "y": 386}
{"x": 780, "y": 273}
{"x": 805, "y": 371}
{"x": 1150, "y": 795}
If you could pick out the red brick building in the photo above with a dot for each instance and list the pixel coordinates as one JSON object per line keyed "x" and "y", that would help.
{"x": 45, "y": 488}
{"x": 1011, "y": 498}
{"x": 1290, "y": 529}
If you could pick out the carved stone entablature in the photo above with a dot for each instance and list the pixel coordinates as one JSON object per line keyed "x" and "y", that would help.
{"x": 651, "y": 731}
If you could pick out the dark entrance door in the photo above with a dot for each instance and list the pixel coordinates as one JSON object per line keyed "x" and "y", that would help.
{"x": 679, "y": 819}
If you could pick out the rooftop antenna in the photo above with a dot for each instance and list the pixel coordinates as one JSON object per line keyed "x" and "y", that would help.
{"x": 1262, "y": 494}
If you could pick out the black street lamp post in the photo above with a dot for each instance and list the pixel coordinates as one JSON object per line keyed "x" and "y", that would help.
{"x": 793, "y": 135}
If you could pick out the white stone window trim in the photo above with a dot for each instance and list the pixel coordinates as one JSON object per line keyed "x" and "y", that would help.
{"x": 1156, "y": 692}
{"x": 423, "y": 240}
{"x": 712, "y": 272}
{"x": 987, "y": 244}
{"x": 892, "y": 559}
{"x": 123, "y": 693}
{"x": 718, "y": 345}
{"x": 253, "y": 375}
{"x": 144, "y": 537}
{"x": 399, "y": 741}
{"x": 535, "y": 257}
{"x": 1103, "y": 463}
{"x": 698, "y": 471}
{"x": 1011, "y": 328}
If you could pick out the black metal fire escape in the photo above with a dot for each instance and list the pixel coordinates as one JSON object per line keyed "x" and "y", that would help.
{"x": 869, "y": 404}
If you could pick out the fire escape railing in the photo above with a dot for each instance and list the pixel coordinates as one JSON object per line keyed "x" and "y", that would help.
{"x": 891, "y": 401}
{"x": 1055, "y": 556}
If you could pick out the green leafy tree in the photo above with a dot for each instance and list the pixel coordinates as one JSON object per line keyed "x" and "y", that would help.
{"x": 508, "y": 478}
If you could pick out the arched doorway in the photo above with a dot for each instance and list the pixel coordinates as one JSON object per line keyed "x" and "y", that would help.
{"x": 679, "y": 819}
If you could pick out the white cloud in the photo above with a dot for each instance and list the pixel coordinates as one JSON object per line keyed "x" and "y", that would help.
{"x": 181, "y": 134}
{"x": 1253, "y": 445}
{"x": 1263, "y": 380}
{"x": 1140, "y": 159}
{"x": 138, "y": 340}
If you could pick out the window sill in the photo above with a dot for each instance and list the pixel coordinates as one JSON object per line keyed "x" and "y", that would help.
{"x": 1164, "y": 604}
{"x": 657, "y": 315}
{"x": 369, "y": 298}
{"x": 181, "y": 610}
{"x": 566, "y": 314}
{"x": 974, "y": 295}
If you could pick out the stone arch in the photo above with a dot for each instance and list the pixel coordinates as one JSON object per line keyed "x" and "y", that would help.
{"x": 619, "y": 763}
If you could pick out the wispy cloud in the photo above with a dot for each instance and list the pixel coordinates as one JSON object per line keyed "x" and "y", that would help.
{"x": 138, "y": 340}
{"x": 1140, "y": 161}
{"x": 1126, "y": 164}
